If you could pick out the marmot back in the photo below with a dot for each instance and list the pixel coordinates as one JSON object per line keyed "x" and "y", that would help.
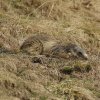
{"x": 32, "y": 46}
{"x": 37, "y": 44}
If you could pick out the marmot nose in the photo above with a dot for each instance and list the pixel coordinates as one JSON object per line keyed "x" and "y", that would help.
{"x": 86, "y": 56}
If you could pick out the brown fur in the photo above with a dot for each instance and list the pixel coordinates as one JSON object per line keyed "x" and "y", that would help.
{"x": 38, "y": 44}
{"x": 32, "y": 45}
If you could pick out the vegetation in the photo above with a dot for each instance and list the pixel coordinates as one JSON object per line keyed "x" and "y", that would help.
{"x": 75, "y": 21}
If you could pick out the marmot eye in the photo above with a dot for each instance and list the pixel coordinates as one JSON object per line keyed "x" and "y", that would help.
{"x": 79, "y": 53}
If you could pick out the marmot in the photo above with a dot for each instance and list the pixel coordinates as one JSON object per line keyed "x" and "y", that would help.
{"x": 41, "y": 44}
{"x": 45, "y": 45}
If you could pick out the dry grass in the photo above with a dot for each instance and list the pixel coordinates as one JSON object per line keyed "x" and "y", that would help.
{"x": 71, "y": 89}
{"x": 66, "y": 21}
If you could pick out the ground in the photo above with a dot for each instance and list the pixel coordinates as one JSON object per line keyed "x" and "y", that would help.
{"x": 75, "y": 21}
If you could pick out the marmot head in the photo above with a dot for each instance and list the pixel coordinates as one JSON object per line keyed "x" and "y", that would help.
{"x": 76, "y": 51}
